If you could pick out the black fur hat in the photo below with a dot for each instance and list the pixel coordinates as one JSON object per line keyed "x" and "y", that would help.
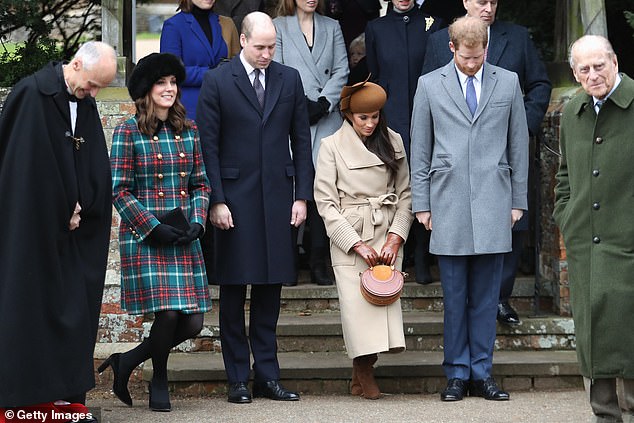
{"x": 150, "y": 69}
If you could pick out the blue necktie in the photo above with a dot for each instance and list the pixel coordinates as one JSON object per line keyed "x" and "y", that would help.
{"x": 472, "y": 101}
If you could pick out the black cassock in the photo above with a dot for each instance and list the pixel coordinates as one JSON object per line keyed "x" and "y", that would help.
{"x": 51, "y": 278}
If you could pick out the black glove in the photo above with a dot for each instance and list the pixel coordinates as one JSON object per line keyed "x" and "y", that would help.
{"x": 164, "y": 234}
{"x": 193, "y": 233}
{"x": 314, "y": 111}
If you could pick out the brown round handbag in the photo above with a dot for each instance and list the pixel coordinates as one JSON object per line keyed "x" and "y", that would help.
{"x": 381, "y": 285}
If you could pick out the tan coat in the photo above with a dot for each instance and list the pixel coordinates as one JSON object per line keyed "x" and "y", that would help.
{"x": 359, "y": 200}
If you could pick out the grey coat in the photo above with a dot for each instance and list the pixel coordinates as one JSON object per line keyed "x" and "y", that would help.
{"x": 469, "y": 171}
{"x": 324, "y": 70}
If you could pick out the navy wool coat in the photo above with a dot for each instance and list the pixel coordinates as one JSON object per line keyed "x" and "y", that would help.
{"x": 254, "y": 169}
{"x": 395, "y": 48}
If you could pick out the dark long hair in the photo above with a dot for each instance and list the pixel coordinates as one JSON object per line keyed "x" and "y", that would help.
{"x": 146, "y": 115}
{"x": 379, "y": 143}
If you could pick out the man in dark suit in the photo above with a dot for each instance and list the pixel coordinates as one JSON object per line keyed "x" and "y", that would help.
{"x": 248, "y": 110}
{"x": 511, "y": 48}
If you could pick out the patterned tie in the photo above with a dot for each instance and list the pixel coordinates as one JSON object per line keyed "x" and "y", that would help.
{"x": 597, "y": 105}
{"x": 257, "y": 86}
{"x": 472, "y": 101}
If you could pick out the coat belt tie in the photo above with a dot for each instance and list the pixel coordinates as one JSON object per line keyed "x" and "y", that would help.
{"x": 372, "y": 213}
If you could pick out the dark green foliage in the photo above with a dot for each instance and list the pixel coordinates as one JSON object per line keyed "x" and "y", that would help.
{"x": 26, "y": 59}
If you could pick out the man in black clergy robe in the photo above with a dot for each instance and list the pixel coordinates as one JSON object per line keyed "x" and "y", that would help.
{"x": 56, "y": 212}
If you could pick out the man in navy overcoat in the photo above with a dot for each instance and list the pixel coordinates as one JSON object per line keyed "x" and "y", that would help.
{"x": 510, "y": 47}
{"x": 256, "y": 145}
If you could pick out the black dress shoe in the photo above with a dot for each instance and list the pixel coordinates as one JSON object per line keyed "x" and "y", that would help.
{"x": 422, "y": 272}
{"x": 487, "y": 389}
{"x": 239, "y": 393}
{"x": 319, "y": 275}
{"x": 159, "y": 397}
{"x": 120, "y": 381}
{"x": 290, "y": 283}
{"x": 506, "y": 314}
{"x": 273, "y": 390}
{"x": 455, "y": 391}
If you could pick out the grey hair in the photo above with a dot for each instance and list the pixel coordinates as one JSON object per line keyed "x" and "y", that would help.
{"x": 91, "y": 52}
{"x": 596, "y": 40}
{"x": 358, "y": 41}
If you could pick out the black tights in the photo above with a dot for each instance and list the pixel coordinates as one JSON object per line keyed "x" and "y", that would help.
{"x": 169, "y": 329}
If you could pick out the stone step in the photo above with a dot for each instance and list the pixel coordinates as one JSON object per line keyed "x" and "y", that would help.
{"x": 407, "y": 372}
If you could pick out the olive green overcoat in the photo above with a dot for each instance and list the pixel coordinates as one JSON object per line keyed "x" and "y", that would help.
{"x": 595, "y": 212}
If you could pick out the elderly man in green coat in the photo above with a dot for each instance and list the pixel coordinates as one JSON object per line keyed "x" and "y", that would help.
{"x": 594, "y": 206}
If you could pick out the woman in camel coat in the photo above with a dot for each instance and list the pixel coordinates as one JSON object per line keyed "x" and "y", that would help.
{"x": 362, "y": 193}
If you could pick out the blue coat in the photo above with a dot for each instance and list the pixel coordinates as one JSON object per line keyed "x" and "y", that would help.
{"x": 510, "y": 48}
{"x": 183, "y": 37}
{"x": 395, "y": 48}
{"x": 251, "y": 169}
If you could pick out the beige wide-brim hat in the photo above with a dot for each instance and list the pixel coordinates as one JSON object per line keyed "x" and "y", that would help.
{"x": 362, "y": 97}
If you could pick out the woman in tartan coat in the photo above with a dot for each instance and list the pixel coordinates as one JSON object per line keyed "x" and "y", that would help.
{"x": 157, "y": 166}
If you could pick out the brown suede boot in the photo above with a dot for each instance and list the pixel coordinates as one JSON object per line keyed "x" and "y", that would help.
{"x": 365, "y": 374}
{"x": 355, "y": 387}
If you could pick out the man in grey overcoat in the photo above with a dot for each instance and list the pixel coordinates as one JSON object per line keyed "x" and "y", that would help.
{"x": 469, "y": 164}
{"x": 594, "y": 200}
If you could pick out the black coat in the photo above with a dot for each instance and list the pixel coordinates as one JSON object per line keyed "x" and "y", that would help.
{"x": 250, "y": 168}
{"x": 395, "y": 48}
{"x": 51, "y": 278}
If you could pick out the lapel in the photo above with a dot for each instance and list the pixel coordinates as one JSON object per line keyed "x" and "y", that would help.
{"x": 274, "y": 82}
{"x": 354, "y": 154}
{"x": 241, "y": 79}
{"x": 198, "y": 32}
{"x": 499, "y": 39}
{"x": 319, "y": 39}
{"x": 451, "y": 83}
{"x": 489, "y": 80}
{"x": 298, "y": 40}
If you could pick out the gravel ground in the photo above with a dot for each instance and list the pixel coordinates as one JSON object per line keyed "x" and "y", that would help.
{"x": 529, "y": 407}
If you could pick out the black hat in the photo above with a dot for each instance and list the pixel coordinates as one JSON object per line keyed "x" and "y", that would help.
{"x": 150, "y": 69}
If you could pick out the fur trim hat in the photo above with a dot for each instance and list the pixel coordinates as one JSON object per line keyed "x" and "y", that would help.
{"x": 362, "y": 97}
{"x": 150, "y": 69}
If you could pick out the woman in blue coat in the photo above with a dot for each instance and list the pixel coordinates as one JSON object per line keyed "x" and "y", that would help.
{"x": 202, "y": 39}
{"x": 159, "y": 173}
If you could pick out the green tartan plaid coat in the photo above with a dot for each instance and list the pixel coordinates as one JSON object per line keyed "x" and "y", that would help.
{"x": 151, "y": 176}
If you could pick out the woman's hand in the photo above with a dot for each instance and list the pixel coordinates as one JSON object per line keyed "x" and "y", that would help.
{"x": 367, "y": 253}
{"x": 390, "y": 248}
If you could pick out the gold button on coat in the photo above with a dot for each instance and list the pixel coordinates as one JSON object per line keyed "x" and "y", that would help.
{"x": 182, "y": 155}
{"x": 183, "y": 193}
{"x": 159, "y": 156}
{"x": 161, "y": 194}
{"x": 160, "y": 176}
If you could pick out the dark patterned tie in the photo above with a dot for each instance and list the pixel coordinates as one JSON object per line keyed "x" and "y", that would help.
{"x": 472, "y": 101}
{"x": 257, "y": 86}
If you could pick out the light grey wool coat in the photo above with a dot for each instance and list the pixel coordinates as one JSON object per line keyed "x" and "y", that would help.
{"x": 469, "y": 171}
{"x": 360, "y": 200}
{"x": 324, "y": 70}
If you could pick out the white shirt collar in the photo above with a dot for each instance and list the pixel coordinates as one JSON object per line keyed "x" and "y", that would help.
{"x": 617, "y": 81}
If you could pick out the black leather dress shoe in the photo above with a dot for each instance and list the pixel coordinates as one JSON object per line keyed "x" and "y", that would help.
{"x": 455, "y": 391}
{"x": 506, "y": 314}
{"x": 239, "y": 393}
{"x": 273, "y": 390}
{"x": 487, "y": 389}
{"x": 290, "y": 283}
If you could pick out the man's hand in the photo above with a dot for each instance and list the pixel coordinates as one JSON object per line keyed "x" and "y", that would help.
{"x": 516, "y": 214}
{"x": 298, "y": 213}
{"x": 75, "y": 218}
{"x": 425, "y": 219}
{"x": 220, "y": 216}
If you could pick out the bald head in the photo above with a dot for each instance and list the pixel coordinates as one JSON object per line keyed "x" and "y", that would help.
{"x": 594, "y": 65}
{"x": 256, "y": 21}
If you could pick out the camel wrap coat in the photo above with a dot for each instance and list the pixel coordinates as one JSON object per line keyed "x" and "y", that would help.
{"x": 359, "y": 199}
